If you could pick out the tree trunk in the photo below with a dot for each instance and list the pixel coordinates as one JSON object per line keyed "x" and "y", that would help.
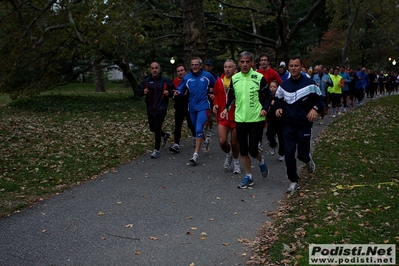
{"x": 126, "y": 82}
{"x": 127, "y": 73}
{"x": 352, "y": 18}
{"x": 99, "y": 84}
{"x": 194, "y": 31}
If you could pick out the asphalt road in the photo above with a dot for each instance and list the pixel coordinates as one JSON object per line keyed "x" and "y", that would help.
{"x": 149, "y": 212}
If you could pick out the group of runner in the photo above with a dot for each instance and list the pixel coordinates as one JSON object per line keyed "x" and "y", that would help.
{"x": 242, "y": 103}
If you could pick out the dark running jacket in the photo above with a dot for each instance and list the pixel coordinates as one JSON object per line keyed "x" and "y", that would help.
{"x": 297, "y": 97}
{"x": 156, "y": 101}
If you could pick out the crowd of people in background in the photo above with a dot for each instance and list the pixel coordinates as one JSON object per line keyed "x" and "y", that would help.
{"x": 251, "y": 99}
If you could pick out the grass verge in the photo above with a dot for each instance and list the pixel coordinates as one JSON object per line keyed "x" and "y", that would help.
{"x": 67, "y": 136}
{"x": 352, "y": 198}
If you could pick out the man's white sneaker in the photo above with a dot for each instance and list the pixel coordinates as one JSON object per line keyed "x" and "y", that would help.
{"x": 206, "y": 144}
{"x": 227, "y": 161}
{"x": 155, "y": 154}
{"x": 193, "y": 160}
{"x": 237, "y": 166}
{"x": 273, "y": 151}
{"x": 293, "y": 187}
{"x": 175, "y": 148}
{"x": 165, "y": 139}
{"x": 311, "y": 166}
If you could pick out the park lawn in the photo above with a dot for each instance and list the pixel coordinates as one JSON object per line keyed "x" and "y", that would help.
{"x": 67, "y": 136}
{"x": 70, "y": 135}
{"x": 352, "y": 198}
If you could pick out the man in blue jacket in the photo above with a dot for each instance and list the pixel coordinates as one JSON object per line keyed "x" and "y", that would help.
{"x": 298, "y": 102}
{"x": 198, "y": 82}
{"x": 361, "y": 84}
{"x": 157, "y": 90}
{"x": 323, "y": 81}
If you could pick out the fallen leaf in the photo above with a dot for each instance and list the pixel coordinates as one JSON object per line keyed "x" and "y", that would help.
{"x": 137, "y": 253}
{"x": 153, "y": 238}
{"x": 193, "y": 228}
{"x": 302, "y": 217}
{"x": 211, "y": 219}
{"x": 129, "y": 226}
{"x": 386, "y": 241}
{"x": 203, "y": 238}
{"x": 226, "y": 244}
{"x": 100, "y": 213}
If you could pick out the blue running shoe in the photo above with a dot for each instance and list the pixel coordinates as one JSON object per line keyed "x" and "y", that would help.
{"x": 247, "y": 182}
{"x": 263, "y": 168}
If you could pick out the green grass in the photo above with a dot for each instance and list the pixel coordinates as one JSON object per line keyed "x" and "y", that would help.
{"x": 67, "y": 136}
{"x": 352, "y": 196}
{"x": 62, "y": 138}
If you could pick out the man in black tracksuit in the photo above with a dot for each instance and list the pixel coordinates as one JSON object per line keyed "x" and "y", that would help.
{"x": 298, "y": 102}
{"x": 157, "y": 90}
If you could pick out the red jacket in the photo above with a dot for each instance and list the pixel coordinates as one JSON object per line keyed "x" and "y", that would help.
{"x": 270, "y": 75}
{"x": 221, "y": 99}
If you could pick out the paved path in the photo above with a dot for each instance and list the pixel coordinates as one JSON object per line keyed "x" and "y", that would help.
{"x": 149, "y": 212}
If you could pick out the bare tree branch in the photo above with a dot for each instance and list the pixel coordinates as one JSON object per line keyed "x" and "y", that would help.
{"x": 168, "y": 36}
{"x": 306, "y": 19}
{"x": 42, "y": 10}
{"x": 264, "y": 39}
{"x": 243, "y": 42}
{"x": 245, "y": 8}
{"x": 47, "y": 6}
{"x": 70, "y": 18}
{"x": 162, "y": 14}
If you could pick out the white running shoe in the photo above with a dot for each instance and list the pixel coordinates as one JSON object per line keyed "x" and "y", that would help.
{"x": 237, "y": 166}
{"x": 194, "y": 159}
{"x": 155, "y": 154}
{"x": 227, "y": 161}
{"x": 311, "y": 166}
{"x": 205, "y": 145}
{"x": 293, "y": 187}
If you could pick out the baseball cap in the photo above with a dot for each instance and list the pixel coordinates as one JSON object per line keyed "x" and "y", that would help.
{"x": 209, "y": 62}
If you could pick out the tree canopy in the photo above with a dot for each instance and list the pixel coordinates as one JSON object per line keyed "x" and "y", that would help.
{"x": 49, "y": 43}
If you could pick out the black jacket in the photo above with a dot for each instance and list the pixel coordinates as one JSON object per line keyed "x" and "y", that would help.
{"x": 157, "y": 102}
